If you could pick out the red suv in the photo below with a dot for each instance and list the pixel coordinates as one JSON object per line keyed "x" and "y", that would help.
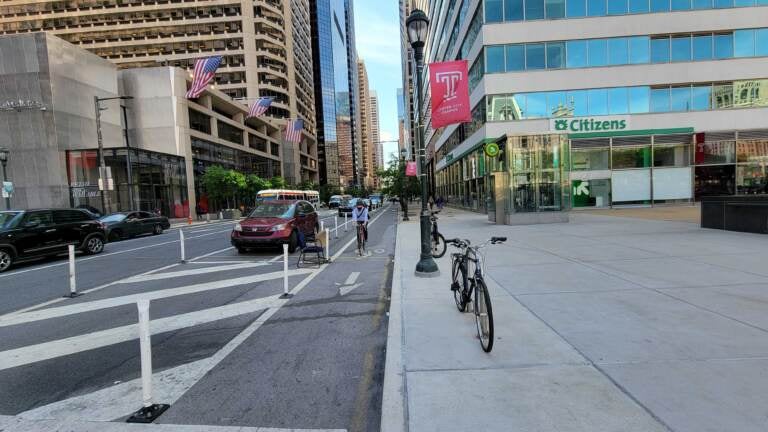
{"x": 274, "y": 223}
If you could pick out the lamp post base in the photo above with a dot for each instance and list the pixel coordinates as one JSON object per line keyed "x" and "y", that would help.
{"x": 426, "y": 267}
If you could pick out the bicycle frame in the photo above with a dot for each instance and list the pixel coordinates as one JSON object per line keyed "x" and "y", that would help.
{"x": 466, "y": 258}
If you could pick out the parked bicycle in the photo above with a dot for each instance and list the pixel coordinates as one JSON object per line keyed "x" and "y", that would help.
{"x": 466, "y": 283}
{"x": 438, "y": 241}
{"x": 361, "y": 238}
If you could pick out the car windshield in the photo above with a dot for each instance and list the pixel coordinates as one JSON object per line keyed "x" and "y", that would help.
{"x": 9, "y": 219}
{"x": 273, "y": 210}
{"x": 117, "y": 217}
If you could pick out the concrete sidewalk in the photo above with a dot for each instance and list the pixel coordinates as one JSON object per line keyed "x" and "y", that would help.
{"x": 602, "y": 324}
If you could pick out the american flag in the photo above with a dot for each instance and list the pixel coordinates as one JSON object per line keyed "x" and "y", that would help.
{"x": 260, "y": 107}
{"x": 293, "y": 130}
{"x": 205, "y": 69}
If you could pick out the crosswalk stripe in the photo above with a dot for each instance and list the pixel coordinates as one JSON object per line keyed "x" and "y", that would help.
{"x": 190, "y": 272}
{"x": 75, "y": 344}
{"x": 43, "y": 314}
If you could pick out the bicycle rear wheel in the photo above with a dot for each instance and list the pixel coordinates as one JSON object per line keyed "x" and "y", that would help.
{"x": 458, "y": 285}
{"x": 483, "y": 315}
{"x": 360, "y": 241}
{"x": 438, "y": 246}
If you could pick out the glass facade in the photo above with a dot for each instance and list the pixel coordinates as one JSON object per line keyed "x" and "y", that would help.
{"x": 333, "y": 98}
{"x": 612, "y": 171}
{"x": 527, "y": 10}
{"x": 628, "y": 100}
{"x": 158, "y": 181}
{"x": 581, "y": 53}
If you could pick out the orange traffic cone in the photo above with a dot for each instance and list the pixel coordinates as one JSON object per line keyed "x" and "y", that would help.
{"x": 189, "y": 220}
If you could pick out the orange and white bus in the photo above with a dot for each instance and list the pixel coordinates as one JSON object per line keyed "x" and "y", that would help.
{"x": 288, "y": 195}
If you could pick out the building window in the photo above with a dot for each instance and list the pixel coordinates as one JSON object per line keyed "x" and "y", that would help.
{"x": 199, "y": 122}
{"x": 230, "y": 133}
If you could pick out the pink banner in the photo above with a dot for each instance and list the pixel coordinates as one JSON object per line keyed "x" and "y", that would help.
{"x": 410, "y": 169}
{"x": 449, "y": 85}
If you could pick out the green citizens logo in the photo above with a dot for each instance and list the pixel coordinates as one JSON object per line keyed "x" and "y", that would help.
{"x": 492, "y": 149}
{"x": 590, "y": 124}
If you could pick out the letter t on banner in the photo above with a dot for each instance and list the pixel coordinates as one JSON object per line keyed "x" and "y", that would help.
{"x": 449, "y": 85}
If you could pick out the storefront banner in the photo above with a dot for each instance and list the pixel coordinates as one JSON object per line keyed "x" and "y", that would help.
{"x": 589, "y": 124}
{"x": 7, "y": 189}
{"x": 449, "y": 86}
{"x": 410, "y": 169}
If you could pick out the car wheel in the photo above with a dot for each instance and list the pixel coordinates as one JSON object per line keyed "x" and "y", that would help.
{"x": 157, "y": 230}
{"x": 293, "y": 242}
{"x": 241, "y": 250}
{"x": 93, "y": 245}
{"x": 6, "y": 260}
{"x": 115, "y": 235}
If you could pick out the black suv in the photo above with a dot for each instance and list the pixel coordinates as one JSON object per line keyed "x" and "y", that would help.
{"x": 26, "y": 234}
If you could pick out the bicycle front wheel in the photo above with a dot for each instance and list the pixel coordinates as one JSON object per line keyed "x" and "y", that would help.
{"x": 458, "y": 285}
{"x": 438, "y": 246}
{"x": 483, "y": 315}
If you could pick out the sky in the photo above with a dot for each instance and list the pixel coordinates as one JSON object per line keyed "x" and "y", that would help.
{"x": 377, "y": 37}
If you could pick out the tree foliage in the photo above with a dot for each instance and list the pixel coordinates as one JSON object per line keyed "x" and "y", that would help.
{"x": 230, "y": 188}
{"x": 396, "y": 183}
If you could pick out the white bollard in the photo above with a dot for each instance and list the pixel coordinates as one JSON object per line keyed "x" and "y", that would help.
{"x": 345, "y": 222}
{"x": 336, "y": 230}
{"x": 145, "y": 346}
{"x": 72, "y": 274}
{"x": 286, "y": 294}
{"x": 183, "y": 252}
{"x": 327, "y": 245}
{"x": 322, "y": 226}
{"x": 207, "y": 218}
{"x": 221, "y": 215}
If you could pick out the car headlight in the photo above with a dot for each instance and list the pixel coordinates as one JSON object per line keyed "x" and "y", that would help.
{"x": 238, "y": 228}
{"x": 278, "y": 227}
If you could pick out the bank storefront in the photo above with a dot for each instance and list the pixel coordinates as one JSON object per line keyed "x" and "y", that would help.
{"x": 601, "y": 162}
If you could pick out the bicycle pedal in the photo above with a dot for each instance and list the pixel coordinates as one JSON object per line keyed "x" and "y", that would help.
{"x": 455, "y": 286}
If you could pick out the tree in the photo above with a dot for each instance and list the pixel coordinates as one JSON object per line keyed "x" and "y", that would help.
{"x": 396, "y": 183}
{"x": 307, "y": 185}
{"x": 278, "y": 182}
{"x": 254, "y": 185}
{"x": 327, "y": 191}
{"x": 214, "y": 183}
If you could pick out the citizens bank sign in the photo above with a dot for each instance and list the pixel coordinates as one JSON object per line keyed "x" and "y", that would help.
{"x": 589, "y": 124}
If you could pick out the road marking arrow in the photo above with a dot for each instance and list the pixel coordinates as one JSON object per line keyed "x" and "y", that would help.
{"x": 346, "y": 289}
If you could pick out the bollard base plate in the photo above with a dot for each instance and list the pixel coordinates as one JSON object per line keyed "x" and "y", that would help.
{"x": 72, "y": 295}
{"x": 286, "y": 296}
{"x": 148, "y": 414}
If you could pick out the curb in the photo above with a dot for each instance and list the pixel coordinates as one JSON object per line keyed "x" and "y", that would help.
{"x": 393, "y": 412}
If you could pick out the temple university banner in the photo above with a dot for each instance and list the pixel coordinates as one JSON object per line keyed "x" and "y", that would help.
{"x": 450, "y": 93}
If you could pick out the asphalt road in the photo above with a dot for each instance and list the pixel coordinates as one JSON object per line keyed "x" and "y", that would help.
{"x": 227, "y": 350}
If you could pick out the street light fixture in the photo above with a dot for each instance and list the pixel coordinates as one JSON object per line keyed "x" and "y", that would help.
{"x": 4, "y": 161}
{"x": 417, "y": 25}
{"x": 102, "y": 164}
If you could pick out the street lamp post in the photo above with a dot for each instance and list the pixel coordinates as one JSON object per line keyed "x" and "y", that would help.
{"x": 4, "y": 160}
{"x": 102, "y": 164}
{"x": 418, "y": 25}
{"x": 403, "y": 200}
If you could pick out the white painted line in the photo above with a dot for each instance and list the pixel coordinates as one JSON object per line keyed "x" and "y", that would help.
{"x": 190, "y": 272}
{"x": 346, "y": 289}
{"x": 120, "y": 400}
{"x": 72, "y": 345}
{"x": 103, "y": 255}
{"x": 352, "y": 278}
{"x": 216, "y": 252}
{"x": 276, "y": 258}
{"x": 43, "y": 314}
{"x": 229, "y": 262}
{"x": 201, "y": 231}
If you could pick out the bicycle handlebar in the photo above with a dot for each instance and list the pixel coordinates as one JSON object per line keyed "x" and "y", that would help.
{"x": 460, "y": 243}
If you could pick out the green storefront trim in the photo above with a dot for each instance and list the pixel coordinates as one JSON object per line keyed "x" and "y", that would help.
{"x": 455, "y": 159}
{"x": 641, "y": 132}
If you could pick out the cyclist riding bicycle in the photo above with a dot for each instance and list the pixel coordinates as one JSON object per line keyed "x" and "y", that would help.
{"x": 360, "y": 215}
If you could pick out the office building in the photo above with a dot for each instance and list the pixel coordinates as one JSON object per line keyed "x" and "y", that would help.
{"x": 409, "y": 83}
{"x": 378, "y": 146}
{"x": 336, "y": 94}
{"x": 599, "y": 103}
{"x": 265, "y": 45}
{"x": 367, "y": 140}
{"x": 402, "y": 123}
{"x": 156, "y": 145}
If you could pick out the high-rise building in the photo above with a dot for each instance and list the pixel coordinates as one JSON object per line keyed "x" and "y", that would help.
{"x": 366, "y": 133}
{"x": 402, "y": 123}
{"x": 265, "y": 45}
{"x": 375, "y": 155}
{"x": 601, "y": 103}
{"x": 409, "y": 82}
{"x": 336, "y": 94}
